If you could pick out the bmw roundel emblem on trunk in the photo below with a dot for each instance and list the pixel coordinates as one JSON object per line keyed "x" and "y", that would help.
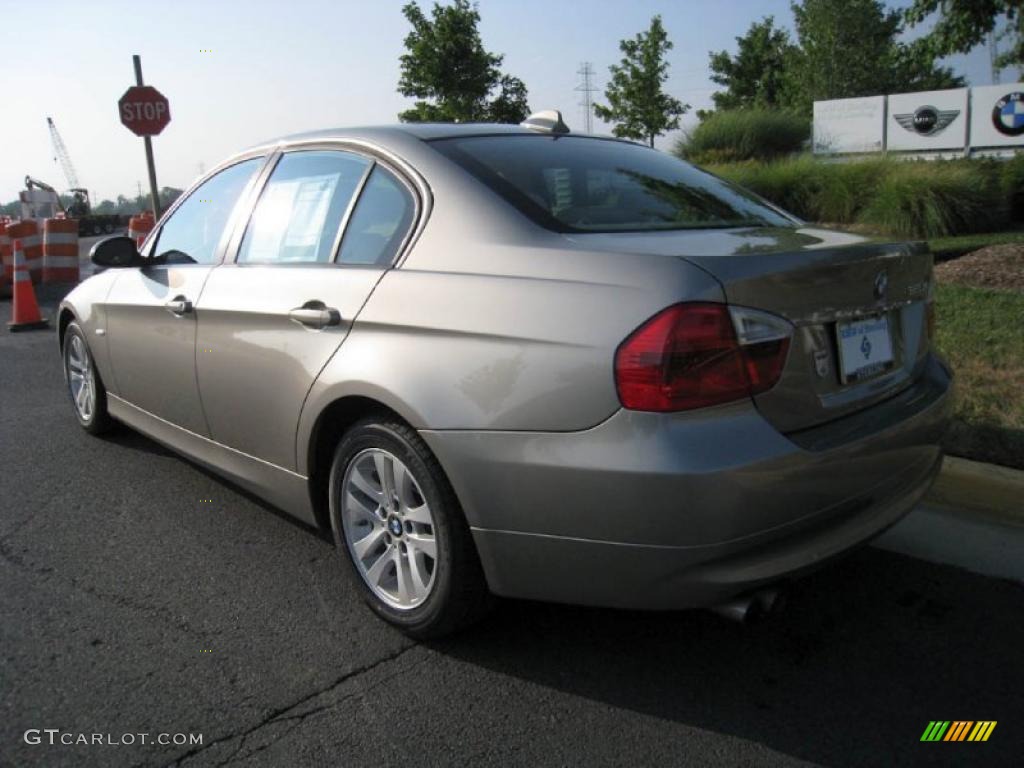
{"x": 1008, "y": 114}
{"x": 881, "y": 286}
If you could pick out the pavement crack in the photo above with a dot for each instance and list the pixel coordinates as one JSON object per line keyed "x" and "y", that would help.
{"x": 282, "y": 714}
{"x": 122, "y": 601}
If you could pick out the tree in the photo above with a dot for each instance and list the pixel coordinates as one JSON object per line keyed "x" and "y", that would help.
{"x": 755, "y": 76}
{"x": 913, "y": 68}
{"x": 451, "y": 73}
{"x": 965, "y": 23}
{"x": 637, "y": 105}
{"x": 849, "y": 48}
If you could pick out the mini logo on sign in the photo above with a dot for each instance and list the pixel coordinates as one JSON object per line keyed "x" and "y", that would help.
{"x": 927, "y": 120}
{"x": 1008, "y": 114}
{"x": 865, "y": 347}
{"x": 881, "y": 285}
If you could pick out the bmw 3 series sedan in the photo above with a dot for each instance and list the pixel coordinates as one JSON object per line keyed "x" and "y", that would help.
{"x": 517, "y": 361}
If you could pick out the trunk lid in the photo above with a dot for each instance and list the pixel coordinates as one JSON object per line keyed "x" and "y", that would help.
{"x": 826, "y": 284}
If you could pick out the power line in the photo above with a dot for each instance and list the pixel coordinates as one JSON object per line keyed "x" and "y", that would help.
{"x": 586, "y": 88}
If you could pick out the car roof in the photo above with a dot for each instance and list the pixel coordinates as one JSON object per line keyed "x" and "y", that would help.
{"x": 423, "y": 131}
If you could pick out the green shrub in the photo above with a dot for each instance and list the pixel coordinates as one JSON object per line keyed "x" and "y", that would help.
{"x": 1012, "y": 180}
{"x": 896, "y": 197}
{"x": 933, "y": 199}
{"x": 744, "y": 134}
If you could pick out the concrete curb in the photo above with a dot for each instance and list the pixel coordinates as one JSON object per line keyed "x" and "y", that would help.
{"x": 984, "y": 489}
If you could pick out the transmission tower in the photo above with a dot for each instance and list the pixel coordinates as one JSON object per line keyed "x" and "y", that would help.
{"x": 993, "y": 55}
{"x": 60, "y": 155}
{"x": 586, "y": 88}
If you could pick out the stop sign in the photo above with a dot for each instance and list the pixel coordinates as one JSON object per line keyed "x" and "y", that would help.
{"x": 144, "y": 110}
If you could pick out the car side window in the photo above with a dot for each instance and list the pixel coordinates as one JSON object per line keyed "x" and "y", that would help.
{"x": 301, "y": 208}
{"x": 379, "y": 222}
{"x": 192, "y": 233}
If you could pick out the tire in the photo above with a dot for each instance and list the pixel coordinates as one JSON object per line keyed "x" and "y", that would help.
{"x": 79, "y": 368}
{"x": 108, "y": 227}
{"x": 457, "y": 593}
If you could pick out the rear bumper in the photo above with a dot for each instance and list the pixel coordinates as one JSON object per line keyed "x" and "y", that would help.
{"x": 654, "y": 511}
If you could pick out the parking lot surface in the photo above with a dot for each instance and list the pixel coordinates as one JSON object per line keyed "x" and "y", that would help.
{"x": 141, "y": 594}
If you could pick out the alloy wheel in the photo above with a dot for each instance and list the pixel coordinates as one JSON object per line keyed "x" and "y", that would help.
{"x": 80, "y": 378}
{"x": 388, "y": 528}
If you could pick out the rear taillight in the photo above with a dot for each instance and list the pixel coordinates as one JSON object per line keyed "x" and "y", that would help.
{"x": 700, "y": 354}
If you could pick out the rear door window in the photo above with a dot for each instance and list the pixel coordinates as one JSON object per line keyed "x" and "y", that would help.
{"x": 301, "y": 209}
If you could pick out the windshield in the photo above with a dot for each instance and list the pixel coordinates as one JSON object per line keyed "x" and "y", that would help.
{"x": 578, "y": 184}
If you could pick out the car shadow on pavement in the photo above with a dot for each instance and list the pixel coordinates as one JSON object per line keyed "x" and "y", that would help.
{"x": 865, "y": 653}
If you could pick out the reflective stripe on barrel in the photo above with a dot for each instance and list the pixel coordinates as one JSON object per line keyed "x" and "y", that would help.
{"x": 60, "y": 251}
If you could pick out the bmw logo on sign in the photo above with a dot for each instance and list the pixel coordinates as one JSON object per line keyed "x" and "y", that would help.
{"x": 927, "y": 120}
{"x": 1008, "y": 115}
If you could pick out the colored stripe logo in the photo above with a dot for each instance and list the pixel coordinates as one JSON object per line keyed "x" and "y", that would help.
{"x": 958, "y": 730}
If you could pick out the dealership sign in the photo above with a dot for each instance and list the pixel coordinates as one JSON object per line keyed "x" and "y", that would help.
{"x": 997, "y": 116}
{"x": 960, "y": 119}
{"x": 849, "y": 125}
{"x": 927, "y": 120}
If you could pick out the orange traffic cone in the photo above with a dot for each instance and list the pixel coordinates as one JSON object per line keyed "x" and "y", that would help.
{"x": 24, "y": 309}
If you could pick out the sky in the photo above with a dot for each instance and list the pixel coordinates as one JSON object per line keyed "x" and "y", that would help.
{"x": 275, "y": 68}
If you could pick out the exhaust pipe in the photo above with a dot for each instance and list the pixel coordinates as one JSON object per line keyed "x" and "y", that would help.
{"x": 750, "y": 607}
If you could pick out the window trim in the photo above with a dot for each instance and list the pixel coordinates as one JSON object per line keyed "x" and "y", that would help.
{"x": 242, "y": 208}
{"x": 418, "y": 189}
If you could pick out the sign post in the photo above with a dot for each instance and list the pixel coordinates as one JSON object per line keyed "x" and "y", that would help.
{"x": 145, "y": 112}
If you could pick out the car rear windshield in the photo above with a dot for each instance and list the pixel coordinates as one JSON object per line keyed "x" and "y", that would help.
{"x": 580, "y": 184}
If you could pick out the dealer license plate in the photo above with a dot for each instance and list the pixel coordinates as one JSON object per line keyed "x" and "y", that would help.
{"x": 865, "y": 348}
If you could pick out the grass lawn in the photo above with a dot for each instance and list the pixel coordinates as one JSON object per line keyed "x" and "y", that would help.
{"x": 981, "y": 333}
{"x": 946, "y": 248}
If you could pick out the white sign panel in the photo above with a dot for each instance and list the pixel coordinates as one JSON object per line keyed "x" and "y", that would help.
{"x": 997, "y": 115}
{"x": 849, "y": 125}
{"x": 927, "y": 120}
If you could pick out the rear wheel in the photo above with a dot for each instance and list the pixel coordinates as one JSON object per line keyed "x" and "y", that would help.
{"x": 88, "y": 395}
{"x": 395, "y": 516}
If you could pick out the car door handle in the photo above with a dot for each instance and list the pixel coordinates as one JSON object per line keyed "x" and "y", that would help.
{"x": 179, "y": 306}
{"x": 313, "y": 314}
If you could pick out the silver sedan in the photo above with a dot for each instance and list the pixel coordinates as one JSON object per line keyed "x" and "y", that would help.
{"x": 512, "y": 360}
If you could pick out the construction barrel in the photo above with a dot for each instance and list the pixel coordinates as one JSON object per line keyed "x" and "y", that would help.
{"x": 60, "y": 250}
{"x": 139, "y": 227}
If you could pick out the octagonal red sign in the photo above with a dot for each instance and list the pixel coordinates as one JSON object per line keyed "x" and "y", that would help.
{"x": 144, "y": 110}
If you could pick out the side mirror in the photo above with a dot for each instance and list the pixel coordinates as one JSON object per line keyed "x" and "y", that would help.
{"x": 116, "y": 252}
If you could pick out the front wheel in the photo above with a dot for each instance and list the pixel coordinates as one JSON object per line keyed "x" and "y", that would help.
{"x": 88, "y": 395}
{"x": 395, "y": 516}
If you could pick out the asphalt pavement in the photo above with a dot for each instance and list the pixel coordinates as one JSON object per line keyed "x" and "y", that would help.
{"x": 141, "y": 594}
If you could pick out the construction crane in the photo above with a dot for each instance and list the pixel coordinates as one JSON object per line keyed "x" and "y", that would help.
{"x": 80, "y": 205}
{"x": 60, "y": 154}
{"x": 40, "y": 200}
